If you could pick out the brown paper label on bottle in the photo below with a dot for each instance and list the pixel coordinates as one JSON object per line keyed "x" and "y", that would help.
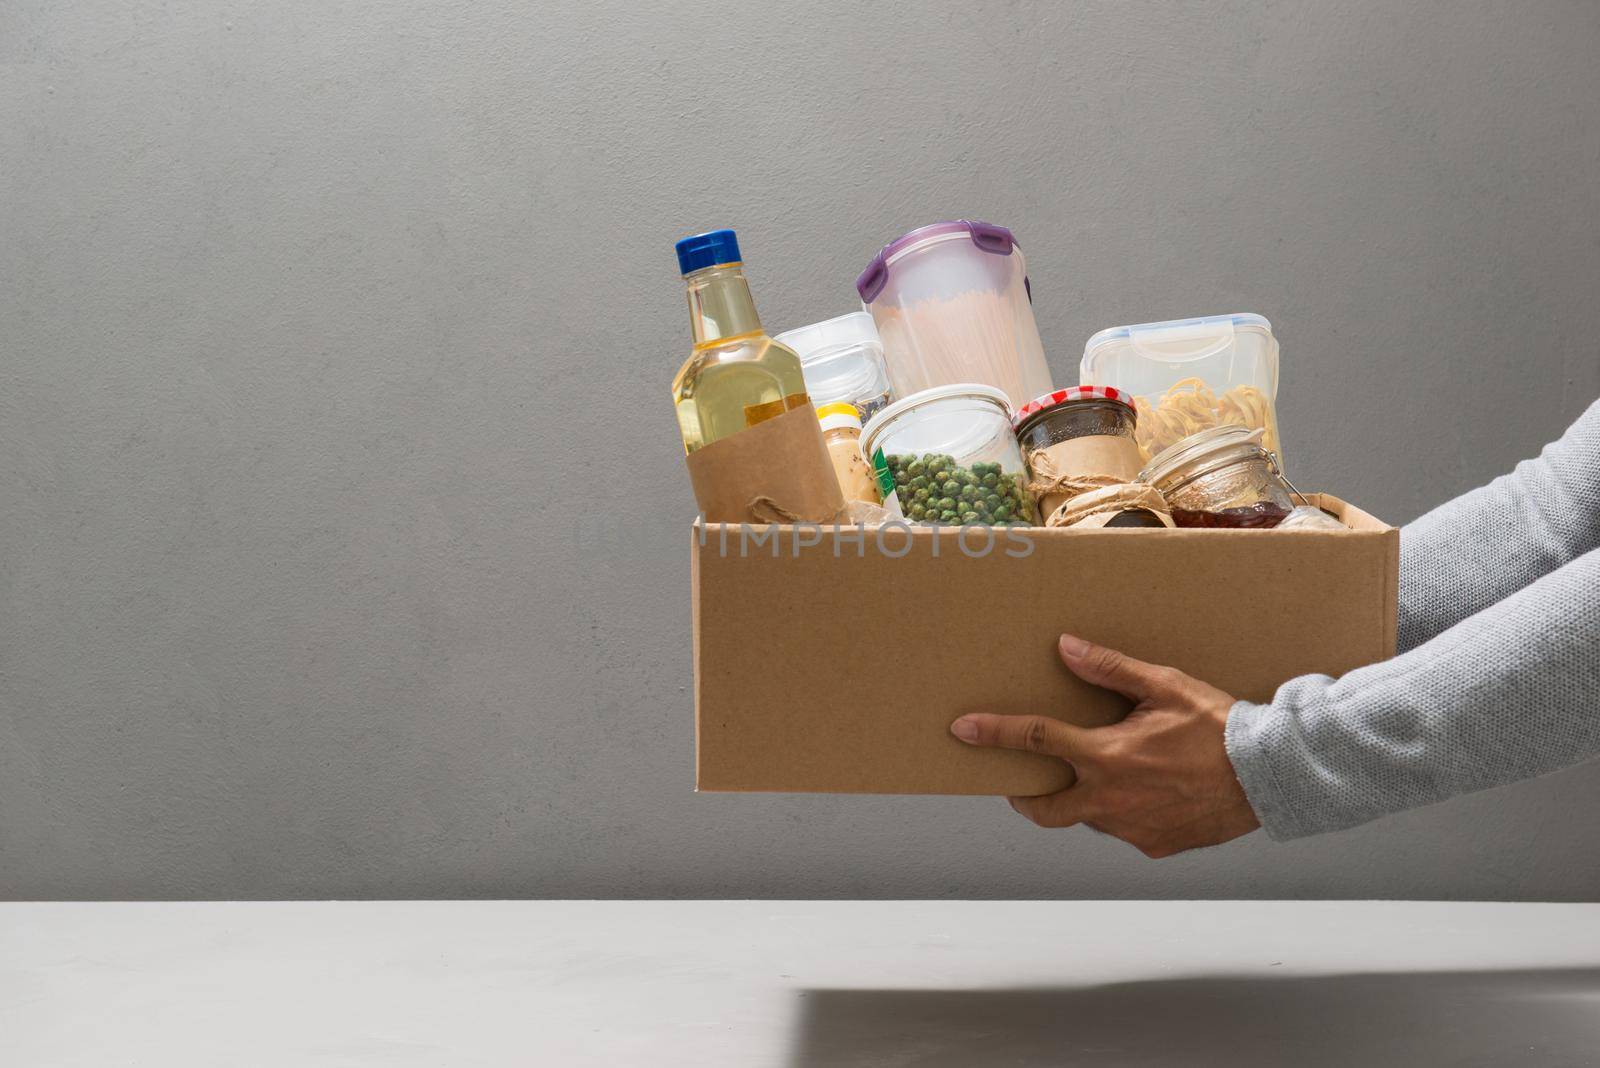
{"x": 760, "y": 413}
{"x": 777, "y": 471}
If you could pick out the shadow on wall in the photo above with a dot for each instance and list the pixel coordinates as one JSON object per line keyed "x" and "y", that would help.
{"x": 1544, "y": 1017}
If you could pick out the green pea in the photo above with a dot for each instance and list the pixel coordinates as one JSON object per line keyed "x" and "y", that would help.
{"x": 969, "y": 517}
{"x": 969, "y": 493}
{"x": 951, "y": 487}
{"x": 916, "y": 467}
{"x": 990, "y": 480}
{"x": 948, "y": 516}
{"x": 947, "y": 504}
{"x": 1002, "y": 513}
{"x": 916, "y": 511}
{"x": 920, "y": 496}
{"x": 919, "y": 481}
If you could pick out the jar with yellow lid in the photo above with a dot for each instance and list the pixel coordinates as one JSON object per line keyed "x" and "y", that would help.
{"x": 841, "y": 433}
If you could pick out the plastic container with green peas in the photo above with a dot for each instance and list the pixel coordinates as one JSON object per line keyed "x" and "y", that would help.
{"x": 948, "y": 455}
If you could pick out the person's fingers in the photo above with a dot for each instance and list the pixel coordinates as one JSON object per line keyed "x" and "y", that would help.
{"x": 1118, "y": 671}
{"x": 1035, "y": 734}
{"x": 1061, "y": 809}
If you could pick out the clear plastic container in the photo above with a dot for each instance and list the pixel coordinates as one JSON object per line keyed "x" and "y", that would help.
{"x": 948, "y": 455}
{"x": 1188, "y": 375}
{"x": 953, "y": 305}
{"x": 843, "y": 362}
{"x": 1221, "y": 477}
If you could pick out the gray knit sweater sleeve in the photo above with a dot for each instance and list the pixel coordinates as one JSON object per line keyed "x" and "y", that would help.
{"x": 1499, "y": 675}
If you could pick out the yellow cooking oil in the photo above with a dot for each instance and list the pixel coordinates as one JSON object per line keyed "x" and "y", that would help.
{"x": 736, "y": 376}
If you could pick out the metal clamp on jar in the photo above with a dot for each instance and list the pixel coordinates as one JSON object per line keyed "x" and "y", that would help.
{"x": 1221, "y": 477}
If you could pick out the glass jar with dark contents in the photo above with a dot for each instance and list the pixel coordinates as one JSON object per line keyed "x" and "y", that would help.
{"x": 1221, "y": 477}
{"x": 1078, "y": 439}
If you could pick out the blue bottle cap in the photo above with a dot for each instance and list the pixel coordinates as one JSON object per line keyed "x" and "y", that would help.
{"x": 707, "y": 250}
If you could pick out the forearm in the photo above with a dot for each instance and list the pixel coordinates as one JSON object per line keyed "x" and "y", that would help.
{"x": 1471, "y": 552}
{"x": 1510, "y": 693}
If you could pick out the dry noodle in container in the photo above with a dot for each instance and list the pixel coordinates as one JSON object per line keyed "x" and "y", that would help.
{"x": 842, "y": 360}
{"x": 1080, "y": 440}
{"x": 1189, "y": 375}
{"x": 841, "y": 433}
{"x": 953, "y": 304}
{"x": 1221, "y": 477}
{"x": 948, "y": 455}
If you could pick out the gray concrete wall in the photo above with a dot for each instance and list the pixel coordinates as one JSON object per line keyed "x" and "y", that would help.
{"x": 335, "y": 342}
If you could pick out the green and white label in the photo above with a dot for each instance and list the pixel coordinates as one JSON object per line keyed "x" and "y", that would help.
{"x": 880, "y": 471}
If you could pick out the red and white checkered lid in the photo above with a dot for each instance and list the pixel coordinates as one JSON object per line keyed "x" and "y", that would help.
{"x": 1072, "y": 393}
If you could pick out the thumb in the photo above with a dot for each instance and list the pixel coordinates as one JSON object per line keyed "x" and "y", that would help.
{"x": 1114, "y": 670}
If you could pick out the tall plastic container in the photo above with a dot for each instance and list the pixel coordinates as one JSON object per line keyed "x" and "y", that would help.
{"x": 953, "y": 304}
{"x": 1188, "y": 375}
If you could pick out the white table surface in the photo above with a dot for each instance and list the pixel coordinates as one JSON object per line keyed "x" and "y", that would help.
{"x": 754, "y": 983}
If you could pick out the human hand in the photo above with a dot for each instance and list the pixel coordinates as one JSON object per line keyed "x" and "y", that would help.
{"x": 1159, "y": 780}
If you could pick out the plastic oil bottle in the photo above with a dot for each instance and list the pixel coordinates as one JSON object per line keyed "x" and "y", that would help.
{"x": 736, "y": 376}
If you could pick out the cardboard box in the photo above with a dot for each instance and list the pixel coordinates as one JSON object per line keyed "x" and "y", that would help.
{"x": 836, "y": 664}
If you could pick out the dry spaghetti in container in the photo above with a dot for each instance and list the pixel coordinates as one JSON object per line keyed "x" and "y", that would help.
{"x": 953, "y": 304}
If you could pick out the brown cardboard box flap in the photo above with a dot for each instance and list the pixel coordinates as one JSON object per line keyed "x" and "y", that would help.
{"x": 827, "y": 664}
{"x": 774, "y": 472}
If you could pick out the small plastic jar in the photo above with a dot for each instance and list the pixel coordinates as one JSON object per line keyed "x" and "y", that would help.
{"x": 1078, "y": 439}
{"x": 948, "y": 455}
{"x": 842, "y": 360}
{"x": 841, "y": 433}
{"x": 1221, "y": 477}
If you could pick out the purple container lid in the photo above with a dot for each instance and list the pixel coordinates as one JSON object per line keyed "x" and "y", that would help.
{"x": 987, "y": 236}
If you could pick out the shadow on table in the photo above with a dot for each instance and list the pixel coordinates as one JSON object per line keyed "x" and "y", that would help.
{"x": 1544, "y": 1017}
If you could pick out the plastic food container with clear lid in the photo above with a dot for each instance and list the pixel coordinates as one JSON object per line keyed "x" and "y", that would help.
{"x": 1222, "y": 477}
{"x": 1188, "y": 375}
{"x": 953, "y": 305}
{"x": 842, "y": 359}
{"x": 948, "y": 455}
